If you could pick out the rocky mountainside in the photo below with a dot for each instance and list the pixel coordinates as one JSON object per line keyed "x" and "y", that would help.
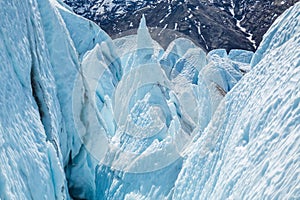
{"x": 228, "y": 24}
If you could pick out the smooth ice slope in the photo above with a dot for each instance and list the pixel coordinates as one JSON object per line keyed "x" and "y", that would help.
{"x": 250, "y": 149}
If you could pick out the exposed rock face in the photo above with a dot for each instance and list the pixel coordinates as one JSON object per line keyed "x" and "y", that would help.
{"x": 228, "y": 24}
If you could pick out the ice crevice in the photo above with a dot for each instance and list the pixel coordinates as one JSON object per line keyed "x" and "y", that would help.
{"x": 37, "y": 87}
{"x": 96, "y": 118}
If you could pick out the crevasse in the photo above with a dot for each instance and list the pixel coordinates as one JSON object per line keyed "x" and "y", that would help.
{"x": 88, "y": 117}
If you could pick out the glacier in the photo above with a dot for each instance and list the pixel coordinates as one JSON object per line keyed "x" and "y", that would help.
{"x": 87, "y": 117}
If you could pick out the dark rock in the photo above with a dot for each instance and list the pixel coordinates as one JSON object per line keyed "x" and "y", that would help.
{"x": 228, "y": 24}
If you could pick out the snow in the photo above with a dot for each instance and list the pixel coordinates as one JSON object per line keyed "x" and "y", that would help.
{"x": 198, "y": 25}
{"x": 97, "y": 118}
{"x": 167, "y": 15}
{"x": 175, "y": 26}
{"x": 238, "y": 24}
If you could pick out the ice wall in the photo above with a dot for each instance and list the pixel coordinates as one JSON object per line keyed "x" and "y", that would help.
{"x": 250, "y": 149}
{"x": 42, "y": 44}
{"x": 30, "y": 156}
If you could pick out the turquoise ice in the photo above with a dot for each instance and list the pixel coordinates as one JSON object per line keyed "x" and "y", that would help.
{"x": 89, "y": 117}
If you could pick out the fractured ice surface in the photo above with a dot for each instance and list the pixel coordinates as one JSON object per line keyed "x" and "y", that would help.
{"x": 250, "y": 149}
{"x": 149, "y": 115}
{"x": 97, "y": 118}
